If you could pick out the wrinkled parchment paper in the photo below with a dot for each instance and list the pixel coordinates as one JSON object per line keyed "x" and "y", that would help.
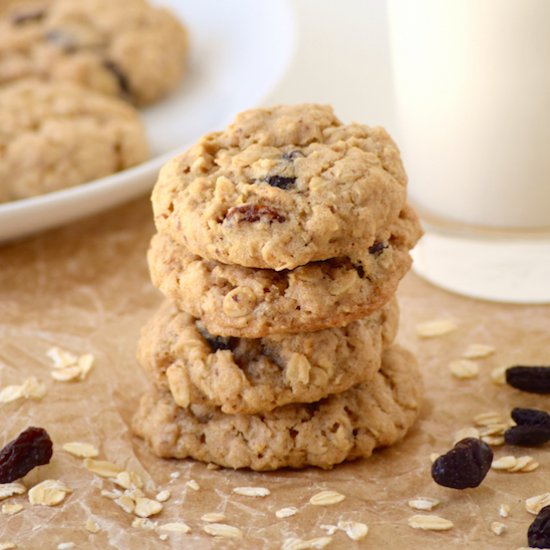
{"x": 85, "y": 288}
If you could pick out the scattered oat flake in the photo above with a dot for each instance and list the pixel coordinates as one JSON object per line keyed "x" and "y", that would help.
{"x": 146, "y": 507}
{"x": 478, "y": 351}
{"x": 437, "y": 327}
{"x": 11, "y": 393}
{"x": 326, "y": 498}
{"x": 212, "y": 466}
{"x": 493, "y": 429}
{"x": 493, "y": 440}
{"x": 252, "y": 491}
{"x": 111, "y": 494}
{"x": 67, "y": 374}
{"x": 128, "y": 480}
{"x": 49, "y": 492}
{"x": 223, "y": 530}
{"x": 61, "y": 358}
{"x": 212, "y": 517}
{"x": 487, "y": 418}
{"x": 286, "y": 512}
{"x": 175, "y": 527}
{"x": 10, "y": 489}
{"x": 498, "y": 527}
{"x": 144, "y": 523}
{"x": 91, "y": 526}
{"x": 535, "y": 504}
{"x": 498, "y": 375}
{"x": 525, "y": 464}
{"x": 81, "y": 450}
{"x": 31, "y": 388}
{"x": 504, "y": 510}
{"x": 504, "y": 463}
{"x": 192, "y": 484}
{"x": 65, "y": 545}
{"x": 11, "y": 509}
{"x": 430, "y": 523}
{"x": 163, "y": 536}
{"x": 355, "y": 530}
{"x": 299, "y": 544}
{"x": 330, "y": 529}
{"x": 102, "y": 468}
{"x": 7, "y": 545}
{"x": 463, "y": 433}
{"x": 423, "y": 503}
{"x": 126, "y": 503}
{"x": 163, "y": 496}
{"x": 464, "y": 369}
{"x": 175, "y": 475}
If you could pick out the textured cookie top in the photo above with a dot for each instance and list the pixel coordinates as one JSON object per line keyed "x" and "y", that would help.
{"x": 129, "y": 48}
{"x": 282, "y": 187}
{"x": 57, "y": 135}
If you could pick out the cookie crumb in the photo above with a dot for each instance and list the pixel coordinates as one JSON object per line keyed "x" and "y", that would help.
{"x": 175, "y": 475}
{"x": 144, "y": 523}
{"x": 355, "y": 530}
{"x": 498, "y": 527}
{"x": 212, "y": 466}
{"x": 91, "y": 526}
{"x": 430, "y": 523}
{"x": 504, "y": 510}
{"x": 326, "y": 498}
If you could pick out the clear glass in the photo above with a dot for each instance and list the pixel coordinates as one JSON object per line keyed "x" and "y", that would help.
{"x": 472, "y": 89}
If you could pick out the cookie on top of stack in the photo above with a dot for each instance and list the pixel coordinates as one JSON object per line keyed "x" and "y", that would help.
{"x": 280, "y": 245}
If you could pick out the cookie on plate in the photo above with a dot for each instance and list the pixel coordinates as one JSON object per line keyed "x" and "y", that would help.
{"x": 341, "y": 427}
{"x": 251, "y": 303}
{"x": 256, "y": 375}
{"x": 129, "y": 49}
{"x": 59, "y": 135}
{"x": 282, "y": 187}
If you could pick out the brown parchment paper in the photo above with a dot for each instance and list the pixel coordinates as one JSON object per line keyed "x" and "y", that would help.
{"x": 86, "y": 288}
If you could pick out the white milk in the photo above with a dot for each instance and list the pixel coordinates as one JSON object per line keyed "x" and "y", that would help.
{"x": 472, "y": 84}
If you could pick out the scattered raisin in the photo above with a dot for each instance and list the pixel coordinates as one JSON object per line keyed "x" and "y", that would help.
{"x": 529, "y": 379}
{"x": 29, "y": 449}
{"x": 251, "y": 213}
{"x": 217, "y": 342}
{"x": 121, "y": 78}
{"x": 20, "y": 18}
{"x": 282, "y": 182}
{"x": 533, "y": 427}
{"x": 465, "y": 465}
{"x": 377, "y": 248}
{"x": 538, "y": 535}
{"x": 360, "y": 270}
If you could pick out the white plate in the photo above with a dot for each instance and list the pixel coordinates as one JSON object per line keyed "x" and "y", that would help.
{"x": 239, "y": 50}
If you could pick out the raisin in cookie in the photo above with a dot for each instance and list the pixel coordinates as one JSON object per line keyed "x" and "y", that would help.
{"x": 282, "y": 187}
{"x": 251, "y": 303}
{"x": 130, "y": 49}
{"x": 59, "y": 135}
{"x": 341, "y": 427}
{"x": 256, "y": 375}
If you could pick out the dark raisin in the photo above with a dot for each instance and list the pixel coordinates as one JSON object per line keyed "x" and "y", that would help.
{"x": 360, "y": 270}
{"x": 538, "y": 535}
{"x": 533, "y": 427}
{"x": 527, "y": 436}
{"x": 20, "y": 18}
{"x": 293, "y": 155}
{"x": 29, "y": 449}
{"x": 282, "y": 182}
{"x": 62, "y": 39}
{"x": 465, "y": 465}
{"x": 121, "y": 78}
{"x": 217, "y": 342}
{"x": 529, "y": 379}
{"x": 251, "y": 213}
{"x": 530, "y": 417}
{"x": 377, "y": 248}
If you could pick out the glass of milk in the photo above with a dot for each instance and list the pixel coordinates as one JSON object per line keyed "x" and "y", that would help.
{"x": 472, "y": 91}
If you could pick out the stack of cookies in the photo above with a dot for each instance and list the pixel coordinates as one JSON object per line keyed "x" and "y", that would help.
{"x": 280, "y": 245}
